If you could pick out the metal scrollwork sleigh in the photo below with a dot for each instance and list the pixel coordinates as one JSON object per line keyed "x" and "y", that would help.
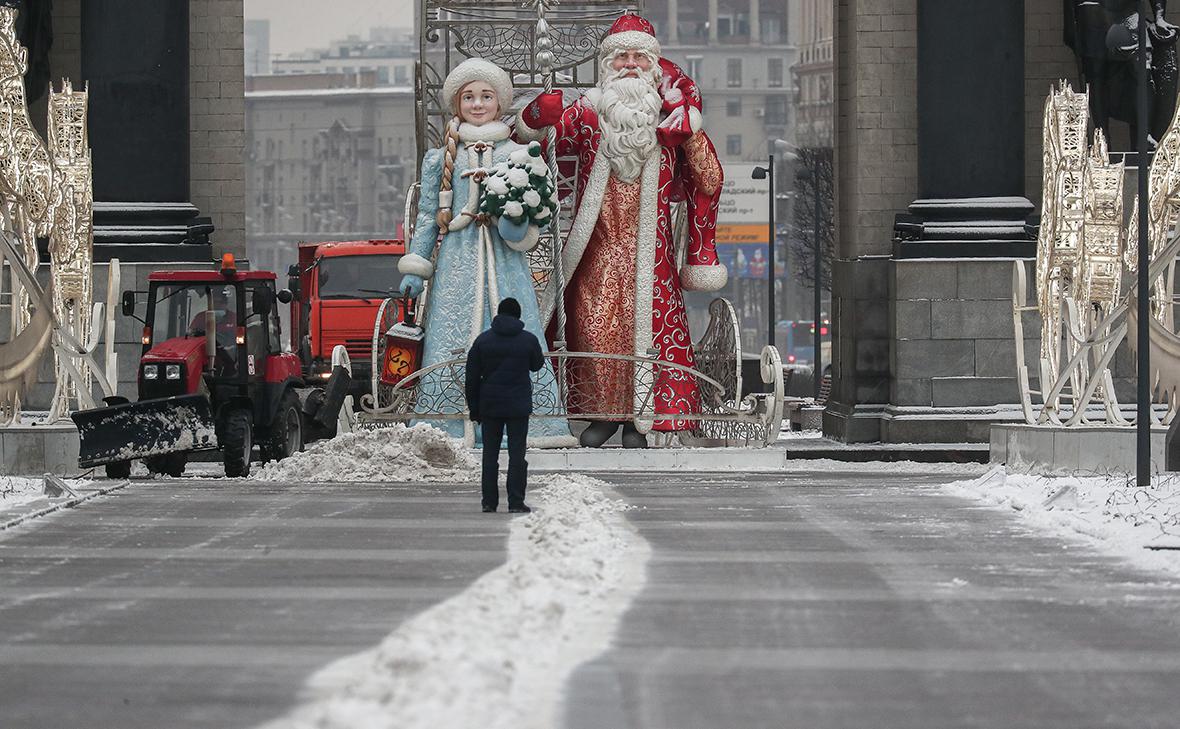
{"x": 723, "y": 417}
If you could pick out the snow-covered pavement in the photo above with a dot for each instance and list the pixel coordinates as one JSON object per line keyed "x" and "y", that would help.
{"x": 357, "y": 585}
{"x": 1109, "y": 513}
{"x": 508, "y": 641}
{"x": 16, "y": 491}
{"x": 874, "y": 599}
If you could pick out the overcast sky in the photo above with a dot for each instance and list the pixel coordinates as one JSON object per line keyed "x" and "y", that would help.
{"x": 299, "y": 24}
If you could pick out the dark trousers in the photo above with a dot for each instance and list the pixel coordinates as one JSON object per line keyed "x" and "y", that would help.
{"x": 493, "y": 433}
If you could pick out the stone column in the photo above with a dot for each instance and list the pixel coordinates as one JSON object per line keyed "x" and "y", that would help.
{"x": 952, "y": 370}
{"x": 755, "y": 24}
{"x": 135, "y": 58}
{"x": 712, "y": 21}
{"x": 970, "y": 133}
{"x": 673, "y": 32}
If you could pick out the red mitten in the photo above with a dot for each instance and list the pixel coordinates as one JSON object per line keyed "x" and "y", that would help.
{"x": 545, "y": 110}
{"x": 675, "y": 129}
{"x": 673, "y": 97}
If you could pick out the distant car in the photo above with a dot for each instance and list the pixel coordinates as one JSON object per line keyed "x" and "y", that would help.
{"x": 800, "y": 341}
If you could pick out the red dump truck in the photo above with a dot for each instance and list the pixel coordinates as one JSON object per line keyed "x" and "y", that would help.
{"x": 338, "y": 287}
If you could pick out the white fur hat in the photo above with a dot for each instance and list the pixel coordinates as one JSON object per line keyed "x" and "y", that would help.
{"x": 629, "y": 32}
{"x": 477, "y": 69}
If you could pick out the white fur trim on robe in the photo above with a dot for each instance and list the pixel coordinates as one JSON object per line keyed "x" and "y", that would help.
{"x": 703, "y": 278}
{"x": 415, "y": 264}
{"x": 695, "y": 120}
{"x": 491, "y": 132}
{"x": 647, "y": 240}
{"x": 589, "y": 206}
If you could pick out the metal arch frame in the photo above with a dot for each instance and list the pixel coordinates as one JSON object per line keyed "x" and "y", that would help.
{"x": 503, "y": 32}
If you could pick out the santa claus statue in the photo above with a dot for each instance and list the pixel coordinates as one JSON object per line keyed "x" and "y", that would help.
{"x": 640, "y": 148}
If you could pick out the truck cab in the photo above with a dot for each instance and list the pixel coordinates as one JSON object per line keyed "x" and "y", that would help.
{"x": 338, "y": 288}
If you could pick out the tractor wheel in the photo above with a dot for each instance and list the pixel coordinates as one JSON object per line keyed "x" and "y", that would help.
{"x": 119, "y": 469}
{"x": 169, "y": 464}
{"x": 286, "y": 432}
{"x": 237, "y": 443}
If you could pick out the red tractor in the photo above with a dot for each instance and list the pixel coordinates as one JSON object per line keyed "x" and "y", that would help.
{"x": 213, "y": 374}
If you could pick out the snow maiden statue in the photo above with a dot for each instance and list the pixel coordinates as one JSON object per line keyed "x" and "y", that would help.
{"x": 486, "y": 195}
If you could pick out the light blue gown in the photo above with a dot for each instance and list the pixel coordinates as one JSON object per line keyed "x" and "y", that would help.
{"x": 457, "y": 288}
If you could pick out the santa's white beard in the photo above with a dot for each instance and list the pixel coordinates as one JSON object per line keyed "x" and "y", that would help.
{"x": 627, "y": 115}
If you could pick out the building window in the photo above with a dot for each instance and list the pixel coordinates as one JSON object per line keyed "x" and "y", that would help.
{"x": 733, "y": 106}
{"x": 774, "y": 72}
{"x": 733, "y": 145}
{"x": 694, "y": 66}
{"x": 399, "y": 76}
{"x": 772, "y": 33}
{"x": 383, "y": 75}
{"x": 733, "y": 74}
{"x": 776, "y": 110}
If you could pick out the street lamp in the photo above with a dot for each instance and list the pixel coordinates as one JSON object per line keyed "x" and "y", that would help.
{"x": 1143, "y": 361}
{"x": 1118, "y": 41}
{"x": 767, "y": 173}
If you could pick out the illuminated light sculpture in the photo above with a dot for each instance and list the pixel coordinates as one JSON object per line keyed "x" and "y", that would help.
{"x": 1084, "y": 250}
{"x": 46, "y": 191}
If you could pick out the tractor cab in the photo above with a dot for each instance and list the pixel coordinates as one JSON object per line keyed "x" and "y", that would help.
{"x": 217, "y": 331}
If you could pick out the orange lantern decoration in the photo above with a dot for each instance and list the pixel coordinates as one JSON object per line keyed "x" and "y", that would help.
{"x": 403, "y": 348}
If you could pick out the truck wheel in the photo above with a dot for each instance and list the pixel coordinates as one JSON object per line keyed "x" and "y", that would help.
{"x": 119, "y": 469}
{"x": 169, "y": 464}
{"x": 286, "y": 432}
{"x": 237, "y": 443}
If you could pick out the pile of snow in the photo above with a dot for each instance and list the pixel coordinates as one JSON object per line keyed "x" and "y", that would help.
{"x": 1111, "y": 512}
{"x": 16, "y": 491}
{"x": 498, "y": 654}
{"x": 396, "y": 453}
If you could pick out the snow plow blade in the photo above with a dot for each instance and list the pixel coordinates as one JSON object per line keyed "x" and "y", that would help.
{"x": 146, "y": 428}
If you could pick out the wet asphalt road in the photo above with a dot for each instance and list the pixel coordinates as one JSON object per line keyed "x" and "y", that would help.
{"x": 813, "y": 600}
{"x": 821, "y": 600}
{"x": 207, "y": 604}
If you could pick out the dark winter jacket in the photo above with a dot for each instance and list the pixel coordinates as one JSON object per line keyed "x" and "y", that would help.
{"x": 498, "y": 366}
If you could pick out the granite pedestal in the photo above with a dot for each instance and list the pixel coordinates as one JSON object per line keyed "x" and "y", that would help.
{"x": 1094, "y": 449}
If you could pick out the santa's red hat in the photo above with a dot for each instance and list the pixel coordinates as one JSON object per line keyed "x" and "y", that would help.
{"x": 629, "y": 32}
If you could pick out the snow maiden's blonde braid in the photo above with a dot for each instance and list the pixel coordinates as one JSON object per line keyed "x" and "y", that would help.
{"x": 450, "y": 147}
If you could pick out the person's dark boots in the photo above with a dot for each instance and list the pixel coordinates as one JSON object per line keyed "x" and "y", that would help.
{"x": 520, "y": 509}
{"x": 632, "y": 438}
{"x": 597, "y": 433}
{"x": 489, "y": 509}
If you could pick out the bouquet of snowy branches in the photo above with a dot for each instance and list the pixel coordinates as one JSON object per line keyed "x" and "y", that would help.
{"x": 521, "y": 194}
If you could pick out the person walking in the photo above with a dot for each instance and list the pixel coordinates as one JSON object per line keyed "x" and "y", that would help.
{"x": 499, "y": 394}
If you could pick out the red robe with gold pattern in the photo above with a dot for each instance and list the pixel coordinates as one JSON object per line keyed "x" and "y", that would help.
{"x": 623, "y": 287}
